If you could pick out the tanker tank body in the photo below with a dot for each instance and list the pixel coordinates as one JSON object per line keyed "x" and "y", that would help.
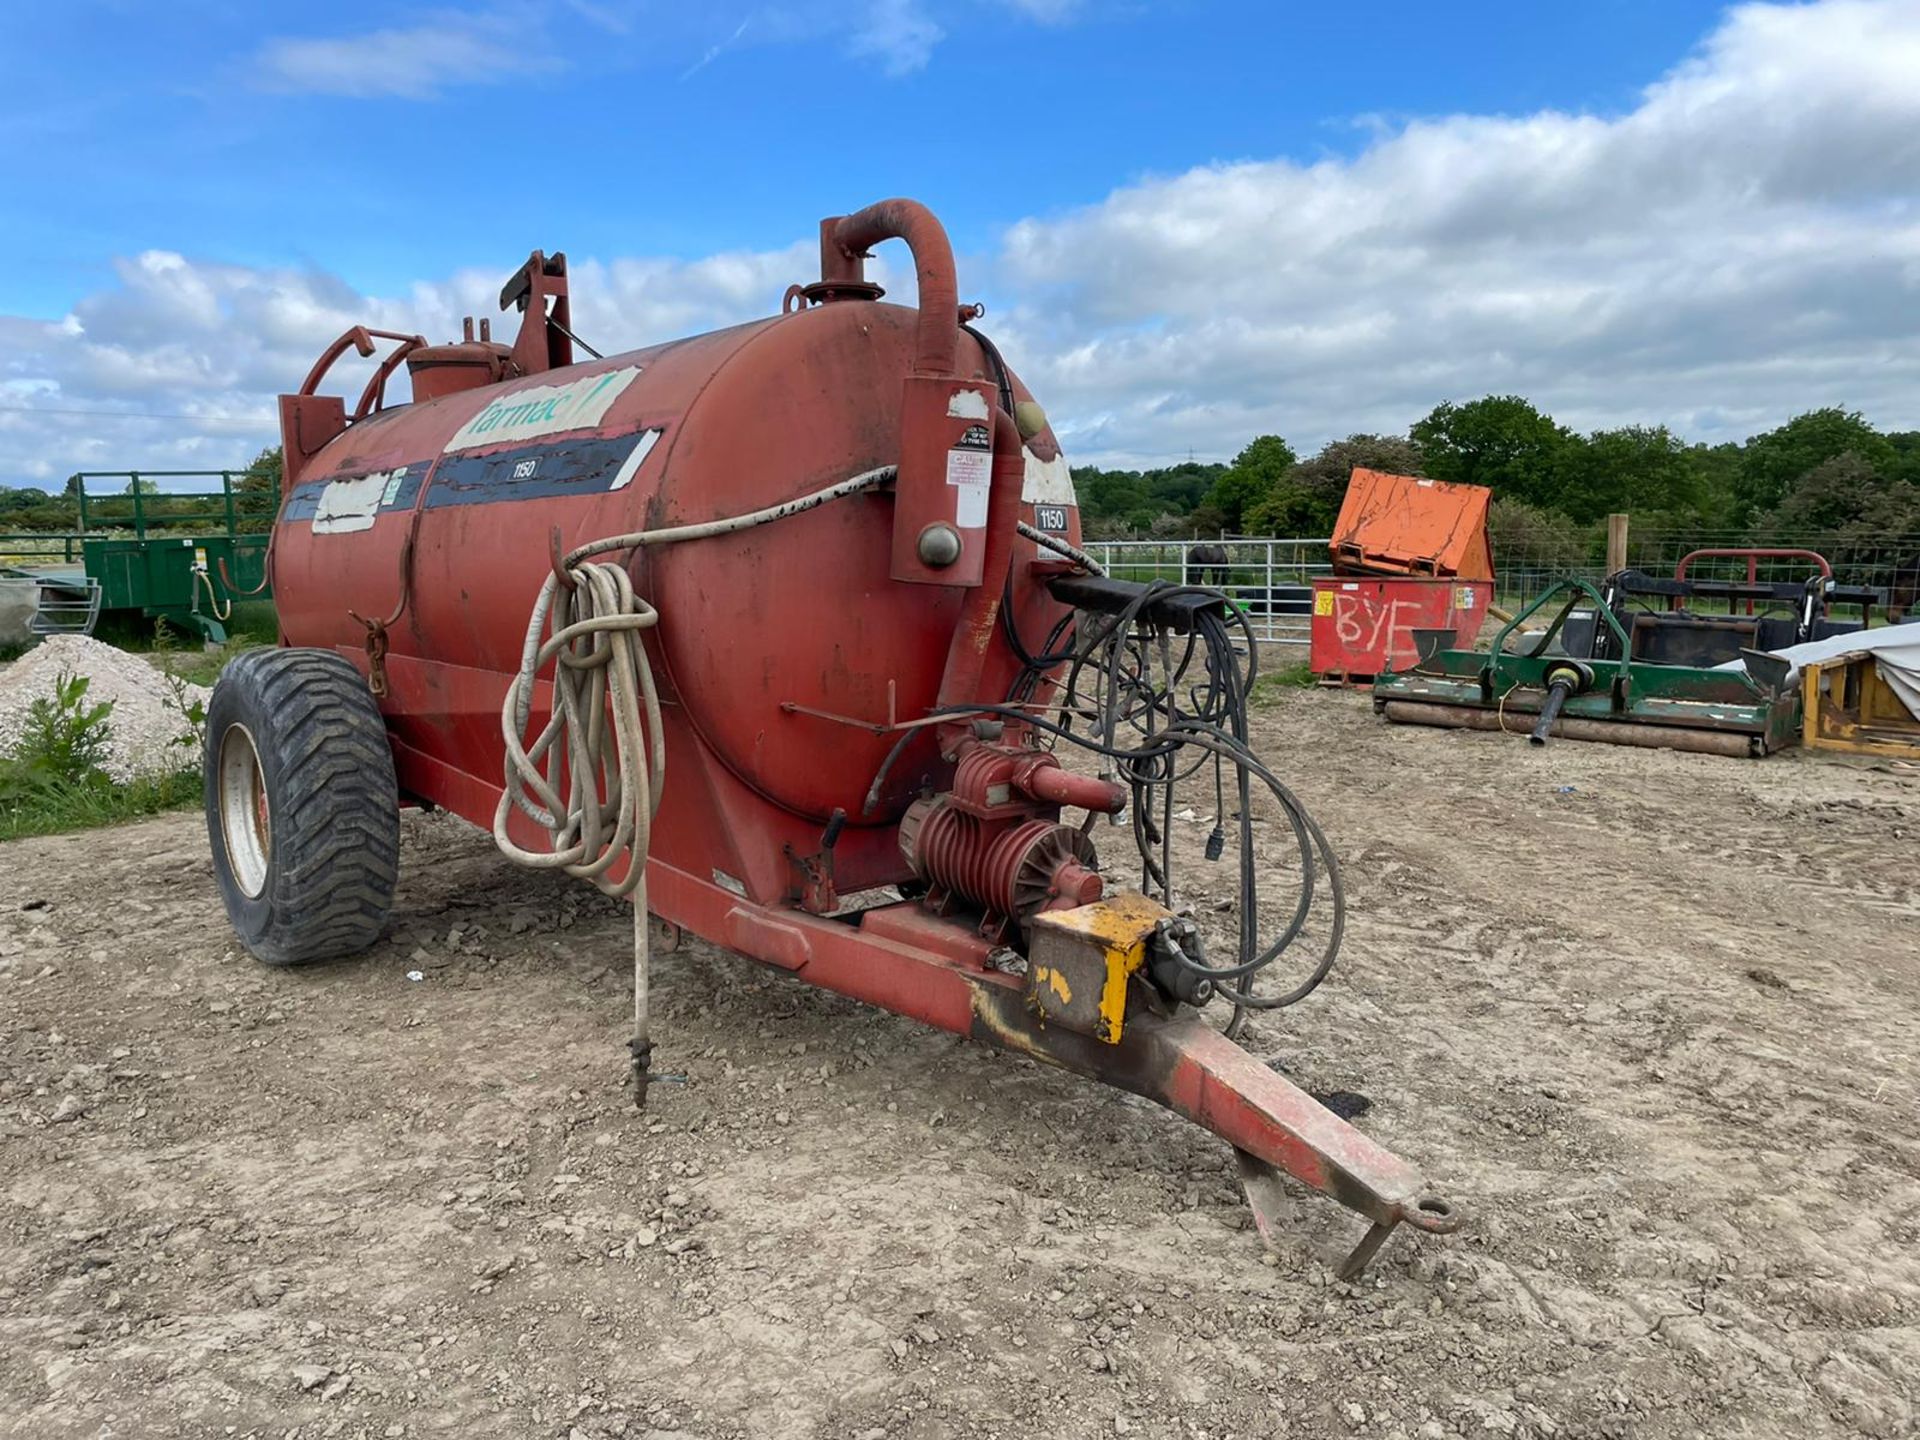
{"x": 767, "y": 630}
{"x": 789, "y": 584}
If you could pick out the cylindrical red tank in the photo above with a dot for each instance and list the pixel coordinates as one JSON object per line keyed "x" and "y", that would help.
{"x": 782, "y": 651}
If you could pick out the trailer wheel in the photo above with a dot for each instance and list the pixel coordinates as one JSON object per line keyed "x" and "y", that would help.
{"x": 302, "y": 807}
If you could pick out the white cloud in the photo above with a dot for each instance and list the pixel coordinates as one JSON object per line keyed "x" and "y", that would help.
{"x": 414, "y": 62}
{"x": 714, "y": 51}
{"x": 900, "y": 34}
{"x": 1742, "y": 244}
{"x": 177, "y": 366}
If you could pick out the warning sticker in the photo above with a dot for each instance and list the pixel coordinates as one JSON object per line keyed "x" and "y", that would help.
{"x": 1463, "y": 597}
{"x": 1323, "y": 603}
{"x": 970, "y": 472}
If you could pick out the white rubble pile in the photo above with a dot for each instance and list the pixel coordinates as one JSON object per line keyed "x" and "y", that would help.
{"x": 146, "y": 718}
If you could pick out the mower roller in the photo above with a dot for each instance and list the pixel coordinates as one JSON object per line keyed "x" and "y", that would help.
{"x": 1621, "y": 700}
{"x": 824, "y": 569}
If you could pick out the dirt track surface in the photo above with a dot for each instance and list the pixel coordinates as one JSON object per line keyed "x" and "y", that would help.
{"x": 1656, "y": 1035}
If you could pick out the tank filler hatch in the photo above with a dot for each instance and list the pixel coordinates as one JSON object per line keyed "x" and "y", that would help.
{"x": 538, "y": 290}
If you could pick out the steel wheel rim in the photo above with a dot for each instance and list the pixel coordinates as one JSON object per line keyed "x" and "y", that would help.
{"x": 245, "y": 825}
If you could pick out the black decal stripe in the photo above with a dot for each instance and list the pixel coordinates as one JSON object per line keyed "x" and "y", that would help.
{"x": 580, "y": 465}
{"x": 583, "y": 465}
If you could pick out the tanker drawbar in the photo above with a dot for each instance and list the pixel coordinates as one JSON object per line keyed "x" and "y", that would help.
{"x": 784, "y": 634}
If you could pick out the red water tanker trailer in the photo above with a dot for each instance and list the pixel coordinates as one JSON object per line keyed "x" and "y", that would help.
{"x": 782, "y": 632}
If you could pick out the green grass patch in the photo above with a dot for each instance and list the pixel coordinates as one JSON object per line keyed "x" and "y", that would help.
{"x": 252, "y": 622}
{"x": 60, "y": 806}
{"x": 1269, "y": 687}
{"x": 201, "y": 667}
{"x": 52, "y": 777}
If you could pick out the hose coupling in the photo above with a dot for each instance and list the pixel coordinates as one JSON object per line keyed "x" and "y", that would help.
{"x": 1175, "y": 957}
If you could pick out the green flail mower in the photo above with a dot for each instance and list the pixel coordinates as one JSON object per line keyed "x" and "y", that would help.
{"x": 1605, "y": 695}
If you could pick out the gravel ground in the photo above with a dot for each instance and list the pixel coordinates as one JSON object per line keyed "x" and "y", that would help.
{"x": 148, "y": 715}
{"x": 1654, "y": 1033}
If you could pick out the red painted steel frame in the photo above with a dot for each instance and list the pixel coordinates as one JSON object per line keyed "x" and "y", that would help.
{"x": 903, "y": 959}
{"x": 907, "y": 961}
{"x": 1753, "y": 559}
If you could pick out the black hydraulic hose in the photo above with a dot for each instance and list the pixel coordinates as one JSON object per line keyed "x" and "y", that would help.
{"x": 1311, "y": 840}
{"x": 1002, "y": 378}
{"x": 1179, "y": 696}
{"x": 1222, "y": 701}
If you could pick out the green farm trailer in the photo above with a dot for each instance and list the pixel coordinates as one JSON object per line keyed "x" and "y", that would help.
{"x": 183, "y": 556}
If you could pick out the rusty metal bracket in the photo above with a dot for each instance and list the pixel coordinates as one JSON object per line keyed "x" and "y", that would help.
{"x": 817, "y": 893}
{"x": 893, "y": 725}
{"x": 376, "y": 655}
{"x": 556, "y": 554}
{"x": 377, "y": 629}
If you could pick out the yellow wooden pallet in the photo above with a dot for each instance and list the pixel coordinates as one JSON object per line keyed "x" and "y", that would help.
{"x": 1847, "y": 706}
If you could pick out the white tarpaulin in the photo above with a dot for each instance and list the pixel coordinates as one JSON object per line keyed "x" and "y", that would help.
{"x": 1895, "y": 649}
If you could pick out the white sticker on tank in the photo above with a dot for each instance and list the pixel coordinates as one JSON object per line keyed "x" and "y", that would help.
{"x": 345, "y": 506}
{"x": 967, "y": 405}
{"x": 970, "y": 472}
{"x": 1048, "y": 482}
{"x": 544, "y": 410}
{"x": 631, "y": 465}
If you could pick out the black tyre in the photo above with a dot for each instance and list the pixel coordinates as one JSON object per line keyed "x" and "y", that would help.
{"x": 302, "y": 809}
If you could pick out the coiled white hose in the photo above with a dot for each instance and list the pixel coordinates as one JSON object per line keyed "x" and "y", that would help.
{"x": 603, "y": 732}
{"x": 1060, "y": 547}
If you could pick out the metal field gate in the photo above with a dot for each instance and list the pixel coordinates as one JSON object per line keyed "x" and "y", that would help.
{"x": 1270, "y": 580}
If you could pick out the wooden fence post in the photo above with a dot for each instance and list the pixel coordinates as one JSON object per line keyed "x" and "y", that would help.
{"x": 1616, "y": 544}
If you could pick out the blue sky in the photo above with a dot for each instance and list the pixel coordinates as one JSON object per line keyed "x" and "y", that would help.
{"x": 198, "y": 191}
{"x": 580, "y": 128}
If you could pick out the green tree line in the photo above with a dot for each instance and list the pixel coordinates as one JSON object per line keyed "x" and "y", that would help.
{"x": 1825, "y": 472}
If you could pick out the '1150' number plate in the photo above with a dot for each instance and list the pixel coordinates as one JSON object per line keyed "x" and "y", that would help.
{"x": 1051, "y": 518}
